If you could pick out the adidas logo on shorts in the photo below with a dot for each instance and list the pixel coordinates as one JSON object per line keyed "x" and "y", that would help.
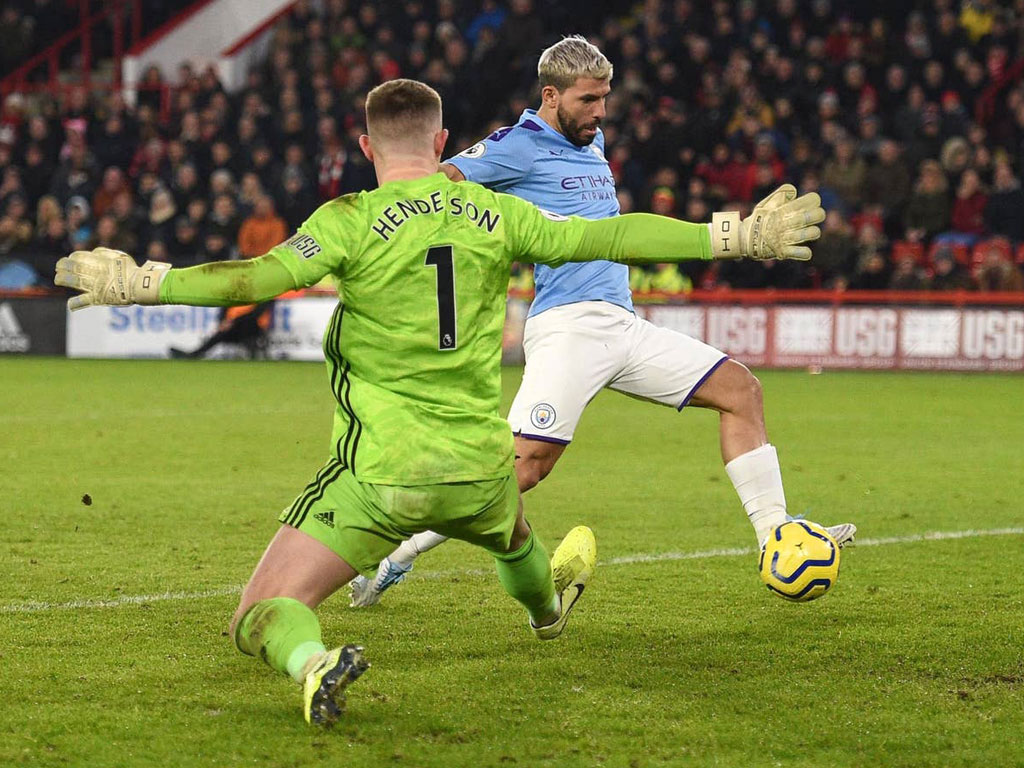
{"x": 327, "y": 518}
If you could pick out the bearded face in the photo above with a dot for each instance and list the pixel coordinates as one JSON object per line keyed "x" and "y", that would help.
{"x": 580, "y": 110}
{"x": 579, "y": 132}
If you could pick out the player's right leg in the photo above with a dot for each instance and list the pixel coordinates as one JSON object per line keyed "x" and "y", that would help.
{"x": 751, "y": 462}
{"x": 674, "y": 369}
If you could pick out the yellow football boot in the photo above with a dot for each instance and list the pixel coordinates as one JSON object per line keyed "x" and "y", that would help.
{"x": 572, "y": 565}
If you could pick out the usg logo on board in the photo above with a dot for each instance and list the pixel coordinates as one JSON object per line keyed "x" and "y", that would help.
{"x": 12, "y": 338}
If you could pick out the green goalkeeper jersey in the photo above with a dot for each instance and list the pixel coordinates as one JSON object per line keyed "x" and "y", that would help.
{"x": 414, "y": 346}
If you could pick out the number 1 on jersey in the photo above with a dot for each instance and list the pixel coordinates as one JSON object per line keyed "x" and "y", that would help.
{"x": 440, "y": 256}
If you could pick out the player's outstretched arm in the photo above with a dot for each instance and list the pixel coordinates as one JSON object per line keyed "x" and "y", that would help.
{"x": 777, "y": 229}
{"x": 106, "y": 276}
{"x": 642, "y": 238}
{"x": 229, "y": 283}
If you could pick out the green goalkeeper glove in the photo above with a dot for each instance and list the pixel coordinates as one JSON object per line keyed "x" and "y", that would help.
{"x": 773, "y": 230}
{"x": 106, "y": 276}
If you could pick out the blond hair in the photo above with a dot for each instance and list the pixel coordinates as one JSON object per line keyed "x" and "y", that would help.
{"x": 569, "y": 59}
{"x": 403, "y": 110}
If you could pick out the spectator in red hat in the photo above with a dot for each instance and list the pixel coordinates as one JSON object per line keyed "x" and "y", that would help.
{"x": 955, "y": 121}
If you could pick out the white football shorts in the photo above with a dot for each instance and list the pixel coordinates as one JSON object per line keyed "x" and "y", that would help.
{"x": 575, "y": 350}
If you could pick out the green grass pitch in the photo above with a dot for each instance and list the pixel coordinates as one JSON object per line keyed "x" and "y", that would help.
{"x": 113, "y": 649}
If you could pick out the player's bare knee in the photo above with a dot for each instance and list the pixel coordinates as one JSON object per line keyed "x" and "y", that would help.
{"x": 233, "y": 624}
{"x": 529, "y": 472}
{"x": 740, "y": 392}
{"x": 534, "y": 461}
{"x": 754, "y": 395}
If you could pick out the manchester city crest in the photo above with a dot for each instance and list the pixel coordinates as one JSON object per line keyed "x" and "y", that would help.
{"x": 542, "y": 416}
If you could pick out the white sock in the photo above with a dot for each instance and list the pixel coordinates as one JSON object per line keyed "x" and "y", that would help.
{"x": 758, "y": 481}
{"x": 412, "y": 548}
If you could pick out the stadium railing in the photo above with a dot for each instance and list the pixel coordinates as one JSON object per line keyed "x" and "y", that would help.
{"x": 125, "y": 17}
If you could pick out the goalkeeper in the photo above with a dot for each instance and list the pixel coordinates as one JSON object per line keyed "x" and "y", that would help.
{"x": 413, "y": 355}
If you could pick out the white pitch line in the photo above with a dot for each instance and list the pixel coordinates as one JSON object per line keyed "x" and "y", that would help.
{"x": 116, "y": 602}
{"x": 908, "y": 539}
{"x": 36, "y": 606}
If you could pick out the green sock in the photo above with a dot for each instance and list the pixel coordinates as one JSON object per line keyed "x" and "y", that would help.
{"x": 526, "y": 575}
{"x": 283, "y": 632}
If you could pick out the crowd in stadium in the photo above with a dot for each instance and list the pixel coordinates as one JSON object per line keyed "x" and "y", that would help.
{"x": 909, "y": 124}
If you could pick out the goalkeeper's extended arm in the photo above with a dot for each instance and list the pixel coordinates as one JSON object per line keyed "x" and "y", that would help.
{"x": 772, "y": 231}
{"x": 642, "y": 238}
{"x": 106, "y": 276}
{"x": 228, "y": 283}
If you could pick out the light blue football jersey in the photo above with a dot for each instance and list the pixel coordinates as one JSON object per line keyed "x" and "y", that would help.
{"x": 533, "y": 161}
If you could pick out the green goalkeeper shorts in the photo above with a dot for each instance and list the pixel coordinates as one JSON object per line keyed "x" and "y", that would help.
{"x": 363, "y": 523}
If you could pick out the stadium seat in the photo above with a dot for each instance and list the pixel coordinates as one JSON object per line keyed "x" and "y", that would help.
{"x": 956, "y": 238}
{"x": 16, "y": 275}
{"x": 901, "y": 249}
{"x": 960, "y": 252}
{"x": 983, "y": 247}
